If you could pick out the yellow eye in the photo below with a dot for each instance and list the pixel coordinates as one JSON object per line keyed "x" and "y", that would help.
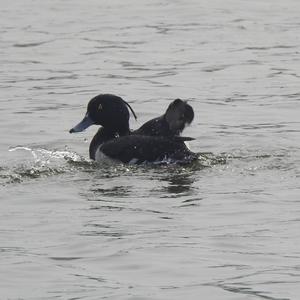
{"x": 100, "y": 106}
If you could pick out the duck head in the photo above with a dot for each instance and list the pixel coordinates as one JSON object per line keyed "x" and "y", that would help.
{"x": 109, "y": 111}
{"x": 179, "y": 114}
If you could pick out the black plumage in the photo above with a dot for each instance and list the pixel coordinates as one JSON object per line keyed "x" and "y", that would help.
{"x": 156, "y": 140}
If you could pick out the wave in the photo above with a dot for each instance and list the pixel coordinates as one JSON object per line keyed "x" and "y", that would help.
{"x": 44, "y": 163}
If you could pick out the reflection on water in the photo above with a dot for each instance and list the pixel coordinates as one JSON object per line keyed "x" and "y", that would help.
{"x": 179, "y": 183}
{"x": 116, "y": 191}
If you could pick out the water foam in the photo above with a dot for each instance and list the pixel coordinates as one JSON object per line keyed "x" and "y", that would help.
{"x": 42, "y": 163}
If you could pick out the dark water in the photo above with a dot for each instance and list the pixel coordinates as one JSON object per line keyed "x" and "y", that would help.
{"x": 226, "y": 227}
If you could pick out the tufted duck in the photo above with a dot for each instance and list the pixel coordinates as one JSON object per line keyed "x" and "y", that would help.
{"x": 157, "y": 140}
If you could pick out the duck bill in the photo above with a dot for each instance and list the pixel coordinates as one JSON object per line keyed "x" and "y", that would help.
{"x": 84, "y": 124}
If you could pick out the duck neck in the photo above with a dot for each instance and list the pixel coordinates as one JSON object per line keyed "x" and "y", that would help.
{"x": 103, "y": 135}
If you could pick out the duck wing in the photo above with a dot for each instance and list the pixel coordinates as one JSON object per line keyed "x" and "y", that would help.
{"x": 139, "y": 149}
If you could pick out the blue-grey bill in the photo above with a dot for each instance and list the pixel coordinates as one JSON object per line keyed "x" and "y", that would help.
{"x": 84, "y": 124}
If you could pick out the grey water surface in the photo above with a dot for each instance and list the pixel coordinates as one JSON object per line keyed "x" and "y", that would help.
{"x": 224, "y": 228}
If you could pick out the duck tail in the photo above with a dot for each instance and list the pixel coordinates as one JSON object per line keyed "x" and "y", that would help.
{"x": 183, "y": 138}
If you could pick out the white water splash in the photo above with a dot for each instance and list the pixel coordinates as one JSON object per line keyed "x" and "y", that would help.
{"x": 43, "y": 156}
